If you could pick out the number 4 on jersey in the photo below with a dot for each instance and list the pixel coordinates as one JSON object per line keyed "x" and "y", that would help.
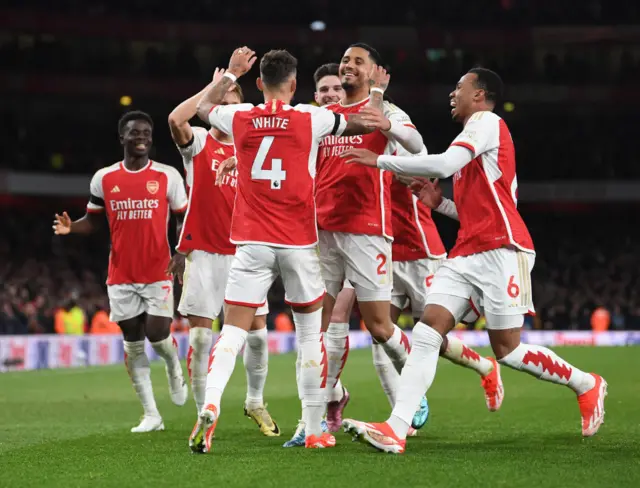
{"x": 276, "y": 175}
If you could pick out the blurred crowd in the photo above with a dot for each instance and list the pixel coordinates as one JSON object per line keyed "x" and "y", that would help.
{"x": 584, "y": 264}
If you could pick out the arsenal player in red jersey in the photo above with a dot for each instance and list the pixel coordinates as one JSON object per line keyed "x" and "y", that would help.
{"x": 274, "y": 225}
{"x": 493, "y": 255}
{"x": 354, "y": 210}
{"x": 205, "y": 246}
{"x": 418, "y": 252}
{"x": 137, "y": 195}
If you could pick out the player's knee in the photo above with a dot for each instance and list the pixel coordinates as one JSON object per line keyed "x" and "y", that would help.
{"x": 157, "y": 328}
{"x": 339, "y": 316}
{"x": 132, "y": 329}
{"x": 439, "y": 318}
{"x": 380, "y": 330}
{"x": 504, "y": 342}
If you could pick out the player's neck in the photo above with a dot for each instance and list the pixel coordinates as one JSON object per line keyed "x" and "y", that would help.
{"x": 221, "y": 136}
{"x": 351, "y": 97}
{"x": 280, "y": 96}
{"x": 135, "y": 163}
{"x": 480, "y": 108}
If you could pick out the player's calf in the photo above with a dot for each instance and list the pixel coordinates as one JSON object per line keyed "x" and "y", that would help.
{"x": 314, "y": 367}
{"x": 546, "y": 365}
{"x": 139, "y": 369}
{"x": 200, "y": 339}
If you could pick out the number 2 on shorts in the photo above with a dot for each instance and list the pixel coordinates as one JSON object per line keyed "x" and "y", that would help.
{"x": 276, "y": 175}
{"x": 382, "y": 261}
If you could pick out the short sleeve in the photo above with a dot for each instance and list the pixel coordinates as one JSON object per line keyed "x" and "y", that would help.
{"x": 396, "y": 114}
{"x": 176, "y": 193}
{"x": 324, "y": 122}
{"x": 221, "y": 116}
{"x": 479, "y": 134}
{"x": 194, "y": 146}
{"x": 96, "y": 193}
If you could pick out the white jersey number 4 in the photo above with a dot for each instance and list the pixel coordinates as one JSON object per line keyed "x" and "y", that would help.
{"x": 276, "y": 175}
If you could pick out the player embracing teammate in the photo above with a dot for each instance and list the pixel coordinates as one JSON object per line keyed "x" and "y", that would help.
{"x": 493, "y": 256}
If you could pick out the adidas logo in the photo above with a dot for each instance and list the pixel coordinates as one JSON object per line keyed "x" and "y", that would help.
{"x": 115, "y": 189}
{"x": 220, "y": 150}
{"x": 189, "y": 238}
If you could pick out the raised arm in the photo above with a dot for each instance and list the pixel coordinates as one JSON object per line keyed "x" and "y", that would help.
{"x": 240, "y": 63}
{"x": 180, "y": 116}
{"x": 392, "y": 122}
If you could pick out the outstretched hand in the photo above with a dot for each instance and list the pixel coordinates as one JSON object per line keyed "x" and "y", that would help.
{"x": 373, "y": 117}
{"x": 62, "y": 224}
{"x": 241, "y": 61}
{"x": 427, "y": 191}
{"x": 379, "y": 78}
{"x": 176, "y": 266}
{"x": 361, "y": 156}
{"x": 224, "y": 168}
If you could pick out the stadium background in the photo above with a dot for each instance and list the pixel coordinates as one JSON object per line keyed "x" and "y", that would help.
{"x": 68, "y": 73}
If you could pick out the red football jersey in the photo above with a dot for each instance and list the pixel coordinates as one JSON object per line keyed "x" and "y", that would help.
{"x": 276, "y": 148}
{"x": 207, "y": 224}
{"x": 353, "y": 198}
{"x": 415, "y": 233}
{"x": 485, "y": 190}
{"x": 137, "y": 205}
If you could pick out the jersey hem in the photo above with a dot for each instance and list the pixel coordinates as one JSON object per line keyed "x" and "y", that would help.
{"x": 274, "y": 244}
{"x": 244, "y": 304}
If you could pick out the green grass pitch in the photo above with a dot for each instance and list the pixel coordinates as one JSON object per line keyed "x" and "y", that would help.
{"x": 69, "y": 428}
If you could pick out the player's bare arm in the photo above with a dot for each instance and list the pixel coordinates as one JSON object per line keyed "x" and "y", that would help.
{"x": 176, "y": 265}
{"x": 224, "y": 168}
{"x": 240, "y": 63}
{"x": 372, "y": 113}
{"x": 179, "y": 118}
{"x": 62, "y": 224}
{"x": 430, "y": 193}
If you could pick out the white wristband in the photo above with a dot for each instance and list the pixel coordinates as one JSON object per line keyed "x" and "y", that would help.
{"x": 376, "y": 89}
{"x": 231, "y": 76}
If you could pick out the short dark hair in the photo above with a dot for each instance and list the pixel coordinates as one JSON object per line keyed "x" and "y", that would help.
{"x": 329, "y": 69}
{"x": 490, "y": 82}
{"x": 373, "y": 53}
{"x": 133, "y": 115}
{"x": 276, "y": 66}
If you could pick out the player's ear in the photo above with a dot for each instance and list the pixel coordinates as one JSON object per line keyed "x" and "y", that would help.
{"x": 259, "y": 84}
{"x": 316, "y": 97}
{"x": 294, "y": 84}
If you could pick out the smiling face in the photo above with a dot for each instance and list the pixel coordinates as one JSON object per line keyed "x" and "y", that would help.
{"x": 355, "y": 66}
{"x": 464, "y": 98}
{"x": 137, "y": 138}
{"x": 328, "y": 90}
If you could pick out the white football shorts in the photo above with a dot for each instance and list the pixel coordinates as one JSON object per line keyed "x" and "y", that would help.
{"x": 204, "y": 283}
{"x": 256, "y": 266}
{"x": 364, "y": 260}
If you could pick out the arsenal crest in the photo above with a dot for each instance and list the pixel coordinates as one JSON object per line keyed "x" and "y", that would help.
{"x": 153, "y": 187}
